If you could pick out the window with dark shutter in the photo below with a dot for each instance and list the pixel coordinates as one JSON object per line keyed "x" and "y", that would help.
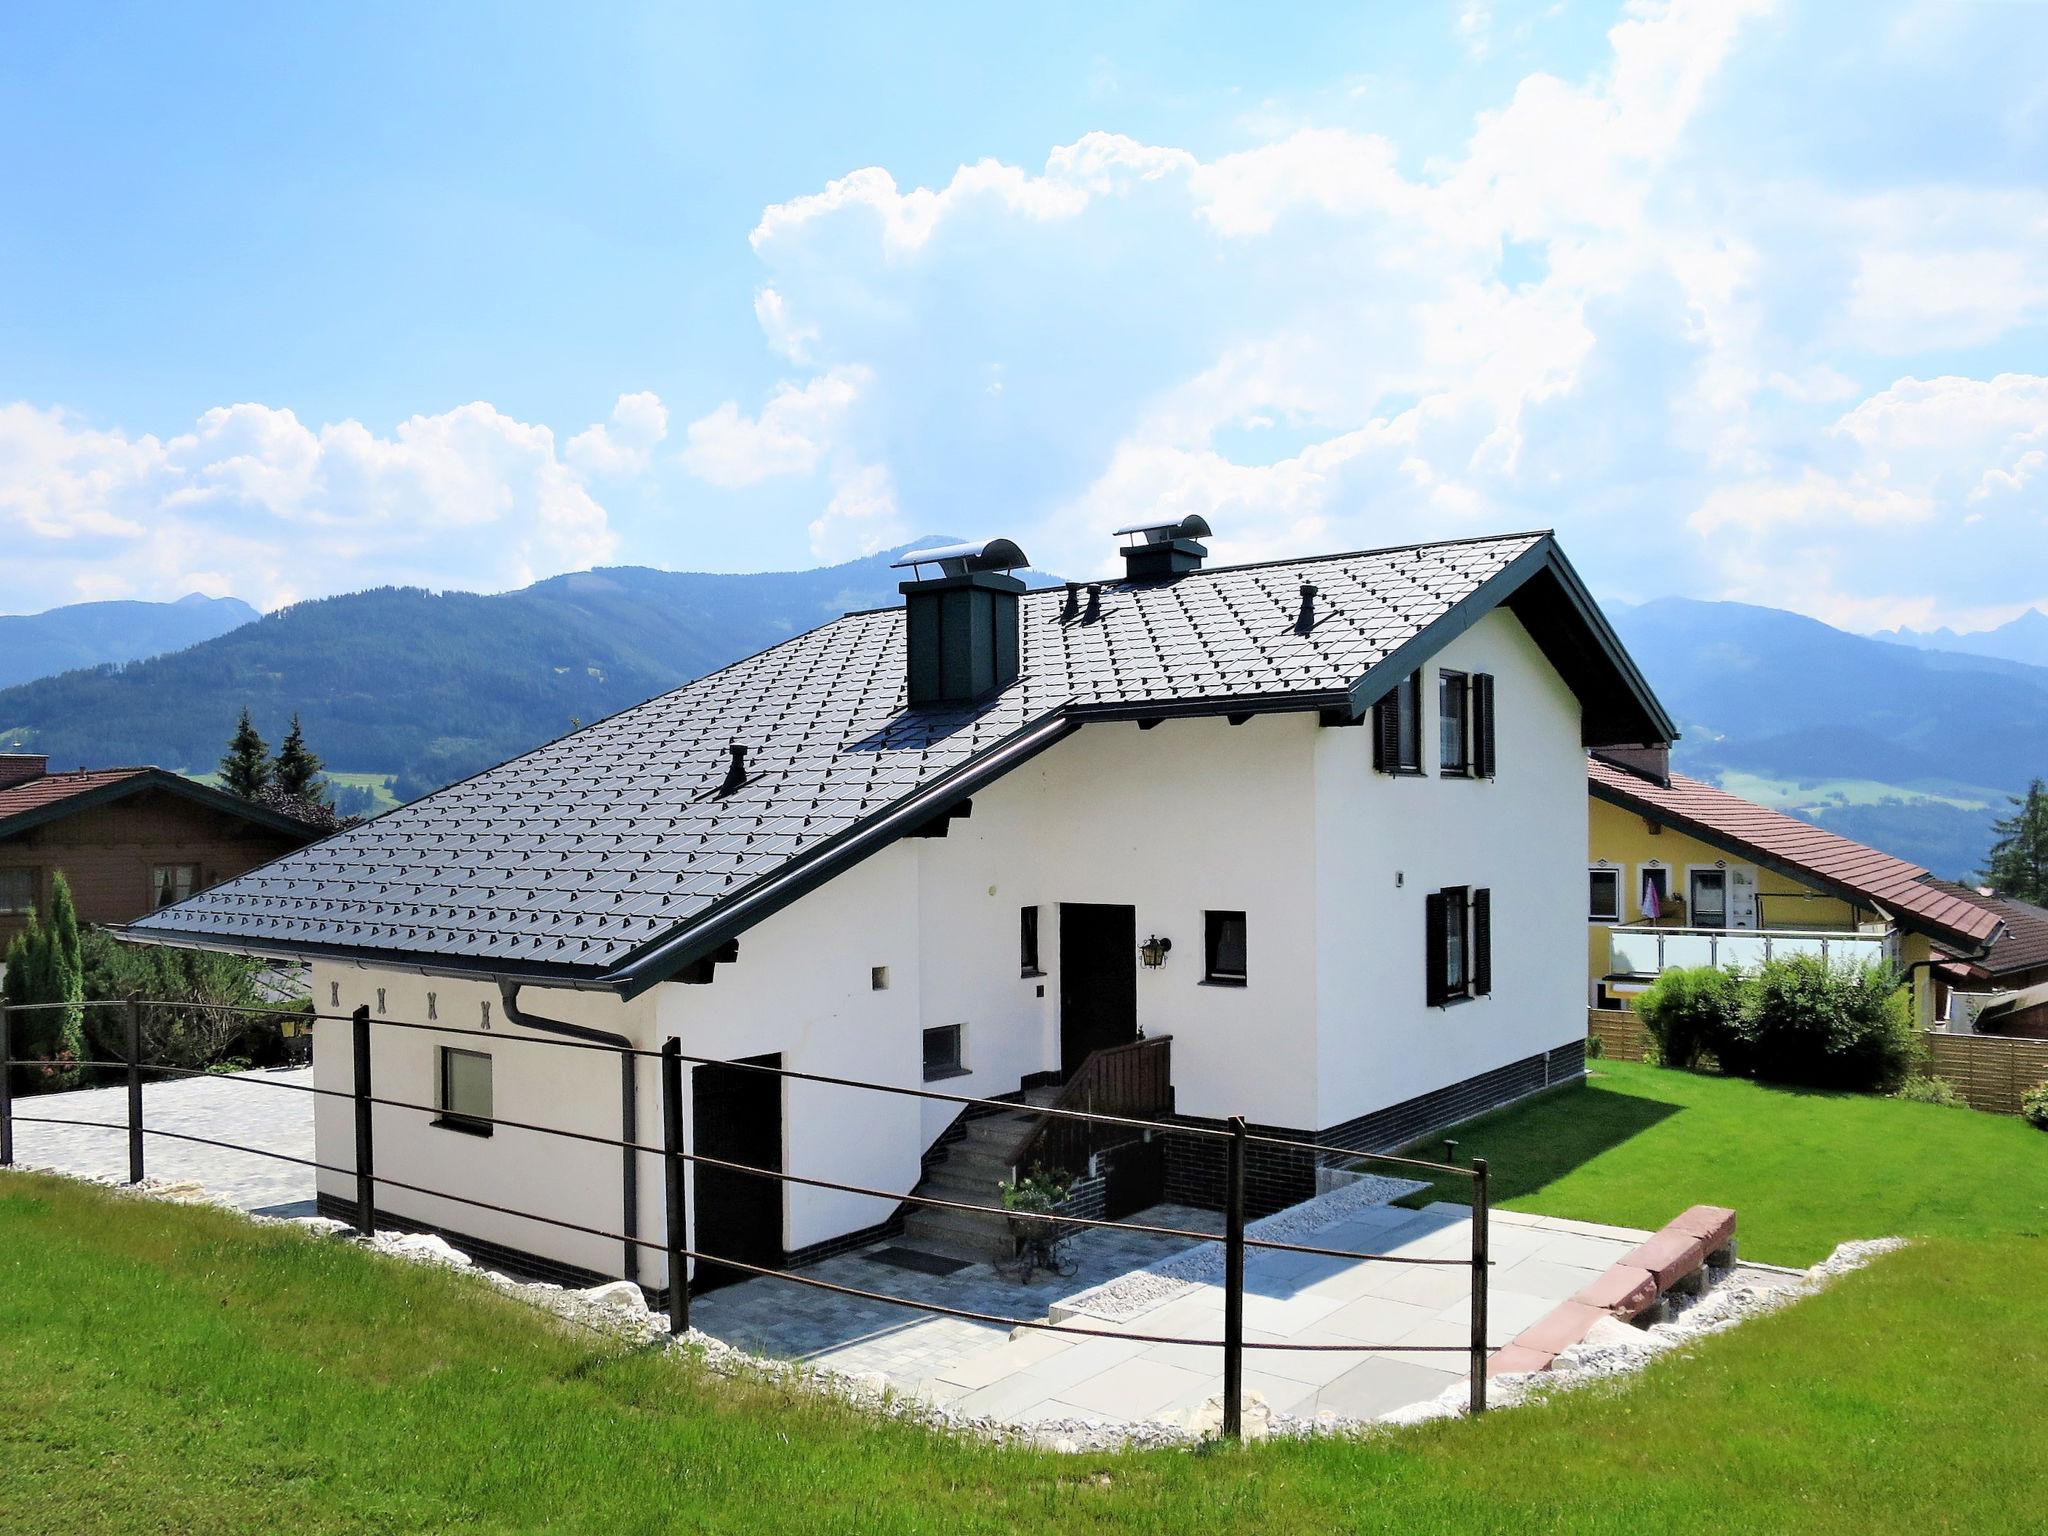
{"x": 1434, "y": 926}
{"x": 1397, "y": 728}
{"x": 1454, "y": 724}
{"x": 1482, "y": 942}
{"x": 1482, "y": 724}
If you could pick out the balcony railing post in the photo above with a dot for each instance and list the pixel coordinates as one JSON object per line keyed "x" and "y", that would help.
{"x": 133, "y": 1011}
{"x": 366, "y": 1167}
{"x": 678, "y": 1202}
{"x": 1233, "y": 1284}
{"x": 6, "y": 1092}
{"x": 1480, "y": 1210}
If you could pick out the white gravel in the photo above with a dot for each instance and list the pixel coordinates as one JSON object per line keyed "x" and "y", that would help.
{"x": 1132, "y": 1295}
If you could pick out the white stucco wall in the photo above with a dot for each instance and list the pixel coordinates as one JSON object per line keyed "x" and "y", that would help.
{"x": 1386, "y": 842}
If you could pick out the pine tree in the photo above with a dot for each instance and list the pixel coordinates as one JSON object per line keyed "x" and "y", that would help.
{"x": 246, "y": 768}
{"x": 2018, "y": 865}
{"x": 64, "y": 975}
{"x": 298, "y": 770}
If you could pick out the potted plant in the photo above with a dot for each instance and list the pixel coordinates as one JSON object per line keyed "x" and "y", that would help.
{"x": 1029, "y": 1203}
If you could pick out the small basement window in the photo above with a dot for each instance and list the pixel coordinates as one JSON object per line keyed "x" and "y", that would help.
{"x": 1223, "y": 949}
{"x": 466, "y": 1101}
{"x": 944, "y": 1052}
{"x": 17, "y": 890}
{"x": 174, "y": 882}
{"x": 1027, "y": 941}
{"x": 1603, "y": 895}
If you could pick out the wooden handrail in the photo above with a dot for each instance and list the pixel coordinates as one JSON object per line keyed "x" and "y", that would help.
{"x": 1134, "y": 1080}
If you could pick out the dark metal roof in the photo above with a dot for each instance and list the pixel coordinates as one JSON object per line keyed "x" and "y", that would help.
{"x": 610, "y": 858}
{"x": 1799, "y": 848}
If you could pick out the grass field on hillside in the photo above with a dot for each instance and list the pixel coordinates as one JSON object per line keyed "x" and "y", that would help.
{"x": 1803, "y": 1170}
{"x": 169, "y": 1368}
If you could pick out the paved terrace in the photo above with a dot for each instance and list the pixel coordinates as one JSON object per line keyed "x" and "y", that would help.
{"x": 244, "y": 1108}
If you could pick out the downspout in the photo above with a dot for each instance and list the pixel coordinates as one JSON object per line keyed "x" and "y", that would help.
{"x": 629, "y": 1111}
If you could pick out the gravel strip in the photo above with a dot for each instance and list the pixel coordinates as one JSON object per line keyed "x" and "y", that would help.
{"x": 1137, "y": 1293}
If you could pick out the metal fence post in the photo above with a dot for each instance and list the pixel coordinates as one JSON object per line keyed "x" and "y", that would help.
{"x": 366, "y": 1177}
{"x": 1480, "y": 1206}
{"x": 678, "y": 1233}
{"x": 134, "y": 1012}
{"x": 1233, "y": 1284}
{"x": 6, "y": 1092}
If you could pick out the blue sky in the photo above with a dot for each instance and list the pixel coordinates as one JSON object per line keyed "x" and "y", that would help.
{"x": 1746, "y": 299}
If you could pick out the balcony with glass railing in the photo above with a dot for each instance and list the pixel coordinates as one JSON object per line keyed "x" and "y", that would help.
{"x": 1652, "y": 951}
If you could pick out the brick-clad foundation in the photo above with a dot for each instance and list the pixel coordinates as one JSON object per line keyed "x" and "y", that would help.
{"x": 1277, "y": 1177}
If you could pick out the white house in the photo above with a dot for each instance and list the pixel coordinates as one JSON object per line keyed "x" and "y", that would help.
{"x": 929, "y": 843}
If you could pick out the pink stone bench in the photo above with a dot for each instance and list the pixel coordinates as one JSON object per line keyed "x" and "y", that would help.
{"x": 1677, "y": 1256}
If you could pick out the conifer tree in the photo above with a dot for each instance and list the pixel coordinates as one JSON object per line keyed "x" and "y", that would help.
{"x": 2018, "y": 865}
{"x": 246, "y": 768}
{"x": 297, "y": 772}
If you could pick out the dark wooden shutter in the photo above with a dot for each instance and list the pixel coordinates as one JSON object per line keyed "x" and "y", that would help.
{"x": 1482, "y": 942}
{"x": 1434, "y": 924}
{"x": 1482, "y": 725}
{"x": 1386, "y": 733}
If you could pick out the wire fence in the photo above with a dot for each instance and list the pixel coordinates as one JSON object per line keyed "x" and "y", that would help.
{"x": 677, "y": 1157}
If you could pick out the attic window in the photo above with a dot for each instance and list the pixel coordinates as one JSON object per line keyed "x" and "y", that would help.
{"x": 1397, "y": 728}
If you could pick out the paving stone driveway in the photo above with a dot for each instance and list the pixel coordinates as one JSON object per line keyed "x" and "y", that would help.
{"x": 247, "y": 1108}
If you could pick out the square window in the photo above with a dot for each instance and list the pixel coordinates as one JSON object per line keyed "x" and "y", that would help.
{"x": 1603, "y": 903}
{"x": 878, "y": 978}
{"x": 1027, "y": 941}
{"x": 1223, "y": 948}
{"x": 17, "y": 890}
{"x": 174, "y": 882}
{"x": 944, "y": 1051}
{"x": 1454, "y": 735}
{"x": 466, "y": 1100}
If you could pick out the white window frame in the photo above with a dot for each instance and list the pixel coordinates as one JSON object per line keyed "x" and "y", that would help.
{"x": 1619, "y": 877}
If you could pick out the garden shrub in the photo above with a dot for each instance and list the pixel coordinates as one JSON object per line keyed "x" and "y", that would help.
{"x": 1689, "y": 1013}
{"x": 2034, "y": 1106}
{"x": 1804, "y": 1021}
{"x": 1930, "y": 1090}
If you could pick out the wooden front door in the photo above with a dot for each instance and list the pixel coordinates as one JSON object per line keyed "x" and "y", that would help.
{"x": 737, "y": 1117}
{"x": 1098, "y": 979}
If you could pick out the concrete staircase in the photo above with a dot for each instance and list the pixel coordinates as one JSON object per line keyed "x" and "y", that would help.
{"x": 968, "y": 1170}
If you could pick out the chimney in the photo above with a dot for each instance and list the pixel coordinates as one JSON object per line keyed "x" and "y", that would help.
{"x": 1164, "y": 549}
{"x": 22, "y": 768}
{"x": 961, "y": 622}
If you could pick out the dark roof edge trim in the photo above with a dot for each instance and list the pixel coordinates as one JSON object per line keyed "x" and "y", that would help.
{"x": 567, "y": 979}
{"x": 156, "y": 778}
{"x": 1779, "y": 864}
{"x": 1540, "y": 558}
{"x": 764, "y": 898}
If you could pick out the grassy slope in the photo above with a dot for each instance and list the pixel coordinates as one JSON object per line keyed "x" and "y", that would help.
{"x": 1803, "y": 1170}
{"x": 169, "y": 1369}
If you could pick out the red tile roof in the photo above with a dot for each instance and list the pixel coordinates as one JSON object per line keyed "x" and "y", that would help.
{"x": 52, "y": 787}
{"x": 1914, "y": 898}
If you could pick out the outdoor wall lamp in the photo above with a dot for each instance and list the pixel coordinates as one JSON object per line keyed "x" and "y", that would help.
{"x": 1153, "y": 952}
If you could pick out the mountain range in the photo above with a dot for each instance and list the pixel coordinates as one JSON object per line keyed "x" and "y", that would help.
{"x": 2022, "y": 639}
{"x": 1911, "y": 749}
{"x": 35, "y": 645}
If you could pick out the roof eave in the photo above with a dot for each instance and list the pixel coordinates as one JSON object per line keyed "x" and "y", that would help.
{"x": 172, "y": 783}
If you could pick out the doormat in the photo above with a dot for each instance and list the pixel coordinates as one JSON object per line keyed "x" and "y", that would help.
{"x": 923, "y": 1263}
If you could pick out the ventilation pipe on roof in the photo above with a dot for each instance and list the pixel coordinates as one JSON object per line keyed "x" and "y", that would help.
{"x": 1307, "y": 619}
{"x": 960, "y": 624}
{"x": 1165, "y": 549}
{"x": 736, "y": 774}
{"x": 629, "y": 1111}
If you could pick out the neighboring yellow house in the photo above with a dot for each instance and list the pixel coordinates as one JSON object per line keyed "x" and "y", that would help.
{"x": 1681, "y": 873}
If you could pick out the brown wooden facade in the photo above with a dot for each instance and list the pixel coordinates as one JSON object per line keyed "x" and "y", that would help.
{"x": 126, "y": 845}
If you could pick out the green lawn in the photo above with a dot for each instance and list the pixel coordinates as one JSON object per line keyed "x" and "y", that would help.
{"x": 170, "y": 1369}
{"x": 1802, "y": 1170}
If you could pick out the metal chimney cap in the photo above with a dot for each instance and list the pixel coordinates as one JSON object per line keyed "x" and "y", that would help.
{"x": 962, "y": 559}
{"x": 1193, "y": 526}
